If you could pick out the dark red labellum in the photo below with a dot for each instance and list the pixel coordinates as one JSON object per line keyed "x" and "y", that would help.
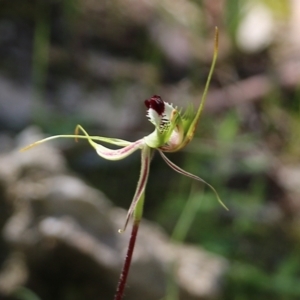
{"x": 156, "y": 103}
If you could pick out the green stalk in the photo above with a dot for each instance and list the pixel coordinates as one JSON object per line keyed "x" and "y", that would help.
{"x": 41, "y": 46}
{"x": 178, "y": 236}
{"x": 186, "y": 218}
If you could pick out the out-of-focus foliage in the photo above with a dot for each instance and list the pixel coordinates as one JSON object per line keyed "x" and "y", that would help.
{"x": 94, "y": 62}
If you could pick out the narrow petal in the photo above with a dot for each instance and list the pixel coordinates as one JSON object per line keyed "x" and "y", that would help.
{"x": 140, "y": 189}
{"x": 113, "y": 154}
{"x": 117, "y": 154}
{"x": 113, "y": 141}
{"x": 183, "y": 172}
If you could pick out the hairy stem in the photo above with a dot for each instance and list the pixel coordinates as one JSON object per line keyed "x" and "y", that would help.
{"x": 135, "y": 227}
{"x": 127, "y": 262}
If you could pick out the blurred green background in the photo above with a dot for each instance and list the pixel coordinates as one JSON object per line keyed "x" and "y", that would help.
{"x": 94, "y": 62}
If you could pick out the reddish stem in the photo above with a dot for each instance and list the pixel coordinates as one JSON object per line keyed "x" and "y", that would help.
{"x": 127, "y": 262}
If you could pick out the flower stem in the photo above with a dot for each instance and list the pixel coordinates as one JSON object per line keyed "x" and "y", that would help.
{"x": 135, "y": 227}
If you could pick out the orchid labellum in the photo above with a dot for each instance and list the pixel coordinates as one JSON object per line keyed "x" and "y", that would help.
{"x": 173, "y": 130}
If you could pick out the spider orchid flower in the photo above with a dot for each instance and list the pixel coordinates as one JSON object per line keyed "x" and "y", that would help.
{"x": 173, "y": 131}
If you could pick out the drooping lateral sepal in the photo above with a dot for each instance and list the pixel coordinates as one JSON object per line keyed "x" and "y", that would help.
{"x": 141, "y": 186}
{"x": 113, "y": 154}
{"x": 185, "y": 173}
{"x": 76, "y": 136}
